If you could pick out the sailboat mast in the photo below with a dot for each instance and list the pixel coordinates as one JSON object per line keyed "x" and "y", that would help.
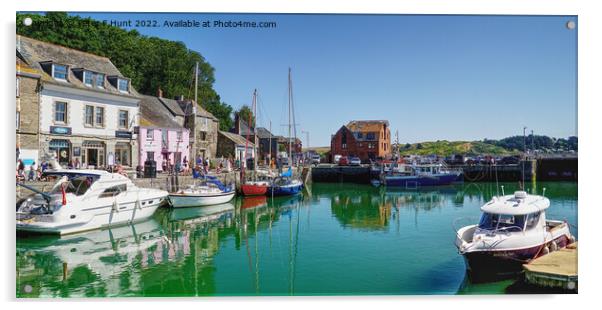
{"x": 270, "y": 147}
{"x": 254, "y": 127}
{"x": 290, "y": 154}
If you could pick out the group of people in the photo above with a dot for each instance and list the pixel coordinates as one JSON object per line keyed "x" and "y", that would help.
{"x": 31, "y": 174}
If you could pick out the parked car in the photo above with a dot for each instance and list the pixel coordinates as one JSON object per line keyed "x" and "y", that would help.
{"x": 343, "y": 161}
{"x": 315, "y": 159}
{"x": 354, "y": 161}
{"x": 336, "y": 159}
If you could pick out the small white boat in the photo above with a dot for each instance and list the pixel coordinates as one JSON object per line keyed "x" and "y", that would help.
{"x": 512, "y": 231}
{"x": 211, "y": 193}
{"x": 85, "y": 200}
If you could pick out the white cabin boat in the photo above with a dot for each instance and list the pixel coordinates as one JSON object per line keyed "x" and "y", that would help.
{"x": 512, "y": 231}
{"x": 211, "y": 192}
{"x": 85, "y": 200}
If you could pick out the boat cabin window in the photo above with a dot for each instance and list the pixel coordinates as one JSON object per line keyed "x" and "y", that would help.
{"x": 501, "y": 221}
{"x": 113, "y": 191}
{"x": 77, "y": 185}
{"x": 532, "y": 220}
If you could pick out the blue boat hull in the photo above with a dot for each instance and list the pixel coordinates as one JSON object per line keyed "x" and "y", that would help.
{"x": 420, "y": 181}
{"x": 286, "y": 190}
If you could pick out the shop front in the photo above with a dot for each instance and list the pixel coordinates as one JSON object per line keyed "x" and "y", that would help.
{"x": 93, "y": 154}
{"x": 62, "y": 149}
{"x": 123, "y": 154}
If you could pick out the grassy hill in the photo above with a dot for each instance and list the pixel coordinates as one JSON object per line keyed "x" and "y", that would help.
{"x": 445, "y": 148}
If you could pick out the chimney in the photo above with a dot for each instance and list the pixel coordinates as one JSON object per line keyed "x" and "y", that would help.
{"x": 159, "y": 92}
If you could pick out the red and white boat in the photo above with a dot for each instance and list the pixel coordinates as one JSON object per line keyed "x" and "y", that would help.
{"x": 254, "y": 188}
{"x": 512, "y": 231}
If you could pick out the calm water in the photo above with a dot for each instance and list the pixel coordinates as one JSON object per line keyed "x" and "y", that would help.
{"x": 340, "y": 240}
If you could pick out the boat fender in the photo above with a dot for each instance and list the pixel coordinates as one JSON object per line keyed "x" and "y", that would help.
{"x": 545, "y": 250}
{"x": 553, "y": 246}
{"x": 572, "y": 239}
{"x": 115, "y": 206}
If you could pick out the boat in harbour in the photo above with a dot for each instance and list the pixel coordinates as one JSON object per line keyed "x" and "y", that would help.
{"x": 85, "y": 200}
{"x": 512, "y": 231}
{"x": 252, "y": 187}
{"x": 212, "y": 192}
{"x": 285, "y": 185}
{"x": 416, "y": 176}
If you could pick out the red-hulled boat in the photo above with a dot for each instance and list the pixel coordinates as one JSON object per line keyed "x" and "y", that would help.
{"x": 254, "y": 188}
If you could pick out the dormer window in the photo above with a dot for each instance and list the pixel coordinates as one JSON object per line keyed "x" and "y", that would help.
{"x": 123, "y": 85}
{"x": 90, "y": 78}
{"x": 100, "y": 80}
{"x": 59, "y": 72}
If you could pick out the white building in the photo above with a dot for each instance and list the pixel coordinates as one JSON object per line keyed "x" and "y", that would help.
{"x": 88, "y": 109}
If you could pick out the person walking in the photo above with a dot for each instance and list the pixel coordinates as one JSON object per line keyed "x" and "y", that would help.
{"x": 20, "y": 168}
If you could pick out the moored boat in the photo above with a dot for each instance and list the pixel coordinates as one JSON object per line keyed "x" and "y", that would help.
{"x": 415, "y": 176}
{"x": 85, "y": 200}
{"x": 211, "y": 193}
{"x": 254, "y": 188}
{"x": 285, "y": 186}
{"x": 512, "y": 231}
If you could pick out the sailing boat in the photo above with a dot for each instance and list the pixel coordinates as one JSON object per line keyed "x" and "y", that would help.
{"x": 284, "y": 184}
{"x": 252, "y": 188}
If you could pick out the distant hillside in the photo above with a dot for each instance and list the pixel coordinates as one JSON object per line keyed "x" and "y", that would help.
{"x": 446, "y": 148}
{"x": 318, "y": 149}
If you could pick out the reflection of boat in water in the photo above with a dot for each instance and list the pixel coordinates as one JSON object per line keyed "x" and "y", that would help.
{"x": 254, "y": 202}
{"x": 202, "y": 214}
{"x": 86, "y": 200}
{"x": 98, "y": 252}
{"x": 513, "y": 230}
{"x": 213, "y": 192}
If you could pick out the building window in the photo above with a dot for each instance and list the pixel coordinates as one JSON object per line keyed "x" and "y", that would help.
{"x": 60, "y": 112}
{"x": 100, "y": 116}
{"x": 100, "y": 80}
{"x": 344, "y": 145}
{"x": 123, "y": 85}
{"x": 179, "y": 135}
{"x": 360, "y": 135}
{"x": 150, "y": 135}
{"x": 203, "y": 135}
{"x": 370, "y": 136}
{"x": 123, "y": 119}
{"x": 88, "y": 78}
{"x": 89, "y": 115}
{"x": 150, "y": 155}
{"x": 59, "y": 72}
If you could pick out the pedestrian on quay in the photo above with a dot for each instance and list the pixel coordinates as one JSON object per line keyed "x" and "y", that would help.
{"x": 70, "y": 164}
{"x": 279, "y": 165}
{"x": 164, "y": 165}
{"x": 78, "y": 165}
{"x": 20, "y": 167}
{"x": 32, "y": 173}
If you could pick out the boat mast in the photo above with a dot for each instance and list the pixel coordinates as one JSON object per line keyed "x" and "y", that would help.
{"x": 270, "y": 148}
{"x": 254, "y": 128}
{"x": 290, "y": 154}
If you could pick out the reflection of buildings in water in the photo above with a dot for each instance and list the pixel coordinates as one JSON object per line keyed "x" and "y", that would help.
{"x": 360, "y": 210}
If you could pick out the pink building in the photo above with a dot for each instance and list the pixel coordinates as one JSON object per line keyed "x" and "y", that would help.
{"x": 161, "y": 134}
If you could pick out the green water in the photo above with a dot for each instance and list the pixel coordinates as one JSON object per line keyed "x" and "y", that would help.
{"x": 341, "y": 240}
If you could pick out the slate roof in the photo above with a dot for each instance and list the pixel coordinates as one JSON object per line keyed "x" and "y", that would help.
{"x": 172, "y": 105}
{"x": 155, "y": 114}
{"x": 186, "y": 107}
{"x": 36, "y": 52}
{"x": 263, "y": 133}
{"x": 367, "y": 126}
{"x": 238, "y": 139}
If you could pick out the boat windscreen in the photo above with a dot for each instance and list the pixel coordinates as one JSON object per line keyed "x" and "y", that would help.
{"x": 501, "y": 221}
{"x": 77, "y": 185}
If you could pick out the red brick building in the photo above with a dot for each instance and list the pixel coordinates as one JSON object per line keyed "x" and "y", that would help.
{"x": 364, "y": 139}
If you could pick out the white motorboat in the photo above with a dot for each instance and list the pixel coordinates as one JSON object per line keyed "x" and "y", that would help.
{"x": 84, "y": 200}
{"x": 512, "y": 231}
{"x": 213, "y": 192}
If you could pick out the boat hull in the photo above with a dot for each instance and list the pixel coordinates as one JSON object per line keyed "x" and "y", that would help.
{"x": 285, "y": 190}
{"x": 420, "y": 181}
{"x": 253, "y": 189}
{"x": 105, "y": 217}
{"x": 496, "y": 261}
{"x": 199, "y": 200}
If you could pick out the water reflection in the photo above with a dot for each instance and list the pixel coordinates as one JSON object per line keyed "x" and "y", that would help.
{"x": 266, "y": 246}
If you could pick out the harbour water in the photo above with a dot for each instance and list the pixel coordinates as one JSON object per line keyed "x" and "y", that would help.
{"x": 339, "y": 239}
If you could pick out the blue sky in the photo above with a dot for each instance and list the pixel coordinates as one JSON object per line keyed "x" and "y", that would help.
{"x": 432, "y": 77}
